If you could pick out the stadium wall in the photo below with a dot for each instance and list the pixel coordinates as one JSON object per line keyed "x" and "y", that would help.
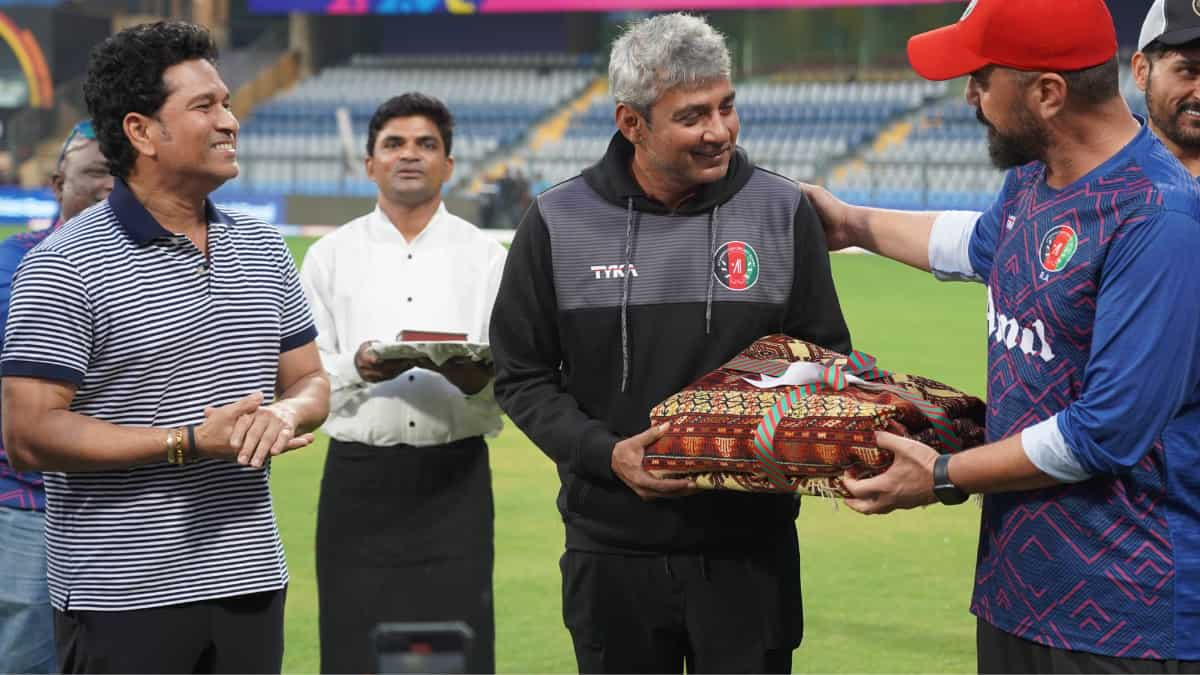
{"x": 324, "y": 210}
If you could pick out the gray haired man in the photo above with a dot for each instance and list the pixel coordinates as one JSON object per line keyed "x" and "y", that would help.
{"x": 710, "y": 253}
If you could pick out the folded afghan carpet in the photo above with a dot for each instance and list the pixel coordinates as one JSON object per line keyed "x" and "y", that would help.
{"x": 786, "y": 415}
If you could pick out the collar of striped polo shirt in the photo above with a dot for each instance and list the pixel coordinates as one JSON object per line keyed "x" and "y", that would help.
{"x": 145, "y": 230}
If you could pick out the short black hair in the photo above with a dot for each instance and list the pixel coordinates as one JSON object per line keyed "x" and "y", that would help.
{"x": 125, "y": 75}
{"x": 1095, "y": 85}
{"x": 412, "y": 104}
{"x": 1156, "y": 50}
{"x": 1089, "y": 86}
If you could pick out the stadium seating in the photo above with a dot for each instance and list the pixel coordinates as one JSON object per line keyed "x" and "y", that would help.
{"x": 942, "y": 163}
{"x": 827, "y": 132}
{"x": 291, "y": 144}
{"x": 796, "y": 129}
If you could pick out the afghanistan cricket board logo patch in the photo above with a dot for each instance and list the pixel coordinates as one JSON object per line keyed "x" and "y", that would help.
{"x": 736, "y": 265}
{"x": 1058, "y": 247}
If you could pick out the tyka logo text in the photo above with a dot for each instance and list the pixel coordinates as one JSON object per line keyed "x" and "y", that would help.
{"x": 613, "y": 271}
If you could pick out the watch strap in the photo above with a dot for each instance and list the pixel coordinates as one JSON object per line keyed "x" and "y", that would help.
{"x": 943, "y": 488}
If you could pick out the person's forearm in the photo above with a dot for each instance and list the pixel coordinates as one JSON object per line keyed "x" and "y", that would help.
{"x": 307, "y": 400}
{"x": 61, "y": 440}
{"x": 900, "y": 235}
{"x": 1002, "y": 466}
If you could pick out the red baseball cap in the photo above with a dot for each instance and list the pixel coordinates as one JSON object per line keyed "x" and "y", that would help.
{"x": 1033, "y": 35}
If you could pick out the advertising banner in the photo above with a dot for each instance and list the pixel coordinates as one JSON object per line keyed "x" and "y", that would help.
{"x": 501, "y": 6}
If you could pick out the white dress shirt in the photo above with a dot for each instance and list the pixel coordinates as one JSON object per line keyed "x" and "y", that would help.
{"x": 365, "y": 282}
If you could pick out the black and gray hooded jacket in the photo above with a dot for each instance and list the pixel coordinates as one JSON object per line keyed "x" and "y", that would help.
{"x": 611, "y": 302}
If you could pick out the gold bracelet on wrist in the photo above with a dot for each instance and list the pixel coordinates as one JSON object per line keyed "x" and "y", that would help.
{"x": 175, "y": 448}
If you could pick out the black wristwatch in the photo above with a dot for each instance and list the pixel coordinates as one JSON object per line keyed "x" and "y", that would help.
{"x": 946, "y": 491}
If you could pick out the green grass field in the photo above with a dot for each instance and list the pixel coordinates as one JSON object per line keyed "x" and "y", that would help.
{"x": 882, "y": 594}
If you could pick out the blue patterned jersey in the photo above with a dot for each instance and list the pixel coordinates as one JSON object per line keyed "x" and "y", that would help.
{"x": 1094, "y": 315}
{"x": 18, "y": 490}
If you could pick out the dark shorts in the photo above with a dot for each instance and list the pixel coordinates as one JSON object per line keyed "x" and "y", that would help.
{"x": 242, "y": 634}
{"x": 713, "y": 613}
{"x": 1002, "y": 652}
{"x": 404, "y": 534}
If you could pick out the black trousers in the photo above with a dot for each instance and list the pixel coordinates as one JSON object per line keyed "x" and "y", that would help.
{"x": 1000, "y": 652}
{"x": 242, "y": 634}
{"x": 404, "y": 534}
{"x": 713, "y": 613}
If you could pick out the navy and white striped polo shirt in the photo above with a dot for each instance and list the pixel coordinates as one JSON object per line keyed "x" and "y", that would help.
{"x": 149, "y": 334}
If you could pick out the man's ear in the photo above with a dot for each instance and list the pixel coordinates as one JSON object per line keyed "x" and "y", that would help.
{"x": 1141, "y": 70}
{"x": 138, "y": 130}
{"x": 1047, "y": 95}
{"x": 630, "y": 123}
{"x": 56, "y": 183}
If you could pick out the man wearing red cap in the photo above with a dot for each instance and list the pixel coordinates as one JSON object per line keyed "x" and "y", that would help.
{"x": 1090, "y": 531}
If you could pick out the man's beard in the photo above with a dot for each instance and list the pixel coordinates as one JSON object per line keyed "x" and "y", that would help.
{"x": 1171, "y": 123}
{"x": 1027, "y": 144}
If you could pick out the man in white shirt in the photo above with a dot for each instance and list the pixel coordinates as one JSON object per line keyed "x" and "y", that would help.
{"x": 404, "y": 526}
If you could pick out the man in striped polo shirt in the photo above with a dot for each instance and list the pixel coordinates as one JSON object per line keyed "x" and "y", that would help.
{"x": 158, "y": 353}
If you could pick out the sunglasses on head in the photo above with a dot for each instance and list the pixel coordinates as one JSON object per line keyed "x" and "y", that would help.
{"x": 84, "y": 129}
